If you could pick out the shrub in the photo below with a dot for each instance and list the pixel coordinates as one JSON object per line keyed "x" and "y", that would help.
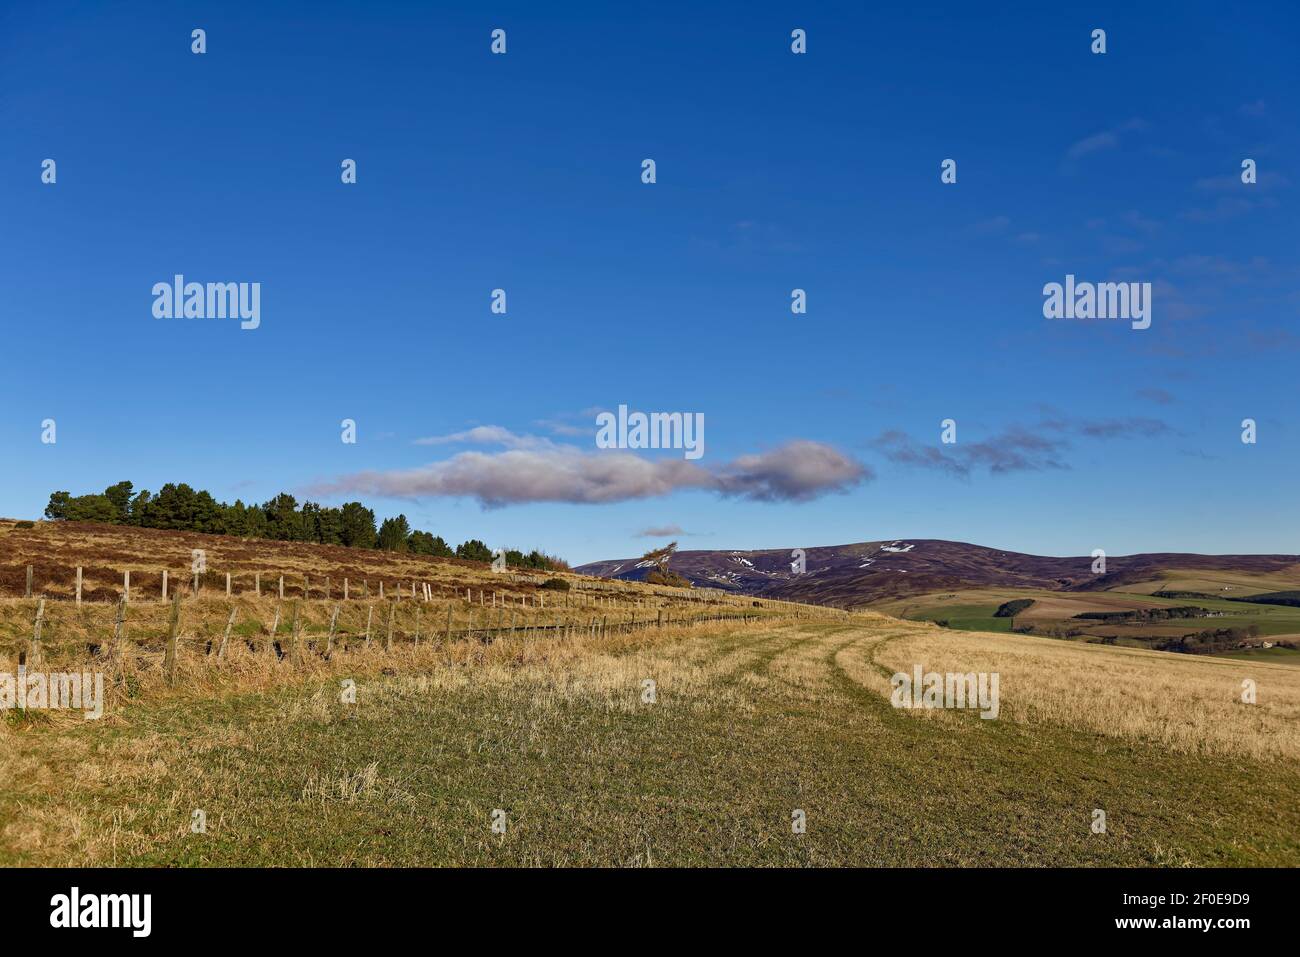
{"x": 24, "y": 524}
{"x": 556, "y": 584}
{"x": 672, "y": 579}
{"x": 1009, "y": 609}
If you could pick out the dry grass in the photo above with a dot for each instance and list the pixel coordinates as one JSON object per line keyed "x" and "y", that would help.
{"x": 60, "y": 758}
{"x": 1179, "y": 702}
{"x": 56, "y": 549}
{"x": 477, "y": 598}
{"x": 748, "y": 723}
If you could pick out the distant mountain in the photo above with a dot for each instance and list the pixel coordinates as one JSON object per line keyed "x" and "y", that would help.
{"x": 868, "y": 572}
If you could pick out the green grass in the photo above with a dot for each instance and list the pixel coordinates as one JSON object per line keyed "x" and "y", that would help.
{"x": 1269, "y": 619}
{"x": 966, "y": 617}
{"x": 1283, "y": 656}
{"x": 708, "y": 775}
{"x": 1282, "y": 617}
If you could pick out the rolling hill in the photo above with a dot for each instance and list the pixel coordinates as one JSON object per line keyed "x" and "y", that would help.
{"x": 1200, "y": 604}
{"x": 871, "y": 573}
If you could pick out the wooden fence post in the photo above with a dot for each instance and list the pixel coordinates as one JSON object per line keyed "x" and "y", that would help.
{"x": 329, "y": 646}
{"x": 381, "y": 590}
{"x": 126, "y": 585}
{"x": 281, "y": 588}
{"x": 28, "y": 592}
{"x": 275, "y": 626}
{"x": 78, "y": 584}
{"x": 388, "y": 635}
{"x": 169, "y": 658}
{"x": 345, "y": 589}
{"x": 118, "y": 629}
{"x": 294, "y": 642}
{"x": 417, "y": 624}
{"x": 164, "y": 585}
{"x": 230, "y": 623}
{"x": 34, "y": 653}
{"x": 257, "y": 584}
{"x": 227, "y": 584}
{"x": 370, "y": 611}
{"x": 306, "y": 587}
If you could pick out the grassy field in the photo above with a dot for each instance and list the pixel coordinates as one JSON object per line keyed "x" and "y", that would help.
{"x": 1281, "y": 656}
{"x": 1228, "y": 583}
{"x": 971, "y": 617}
{"x": 972, "y": 610}
{"x": 749, "y": 723}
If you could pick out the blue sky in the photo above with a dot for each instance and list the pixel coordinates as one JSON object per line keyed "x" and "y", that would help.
{"x": 775, "y": 171}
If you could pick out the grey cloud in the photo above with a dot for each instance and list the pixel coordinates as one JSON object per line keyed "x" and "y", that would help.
{"x": 1158, "y": 396}
{"x": 661, "y": 531}
{"x": 516, "y": 476}
{"x": 899, "y": 447}
{"x": 1015, "y": 449}
{"x": 797, "y": 472}
{"x": 1124, "y": 428}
